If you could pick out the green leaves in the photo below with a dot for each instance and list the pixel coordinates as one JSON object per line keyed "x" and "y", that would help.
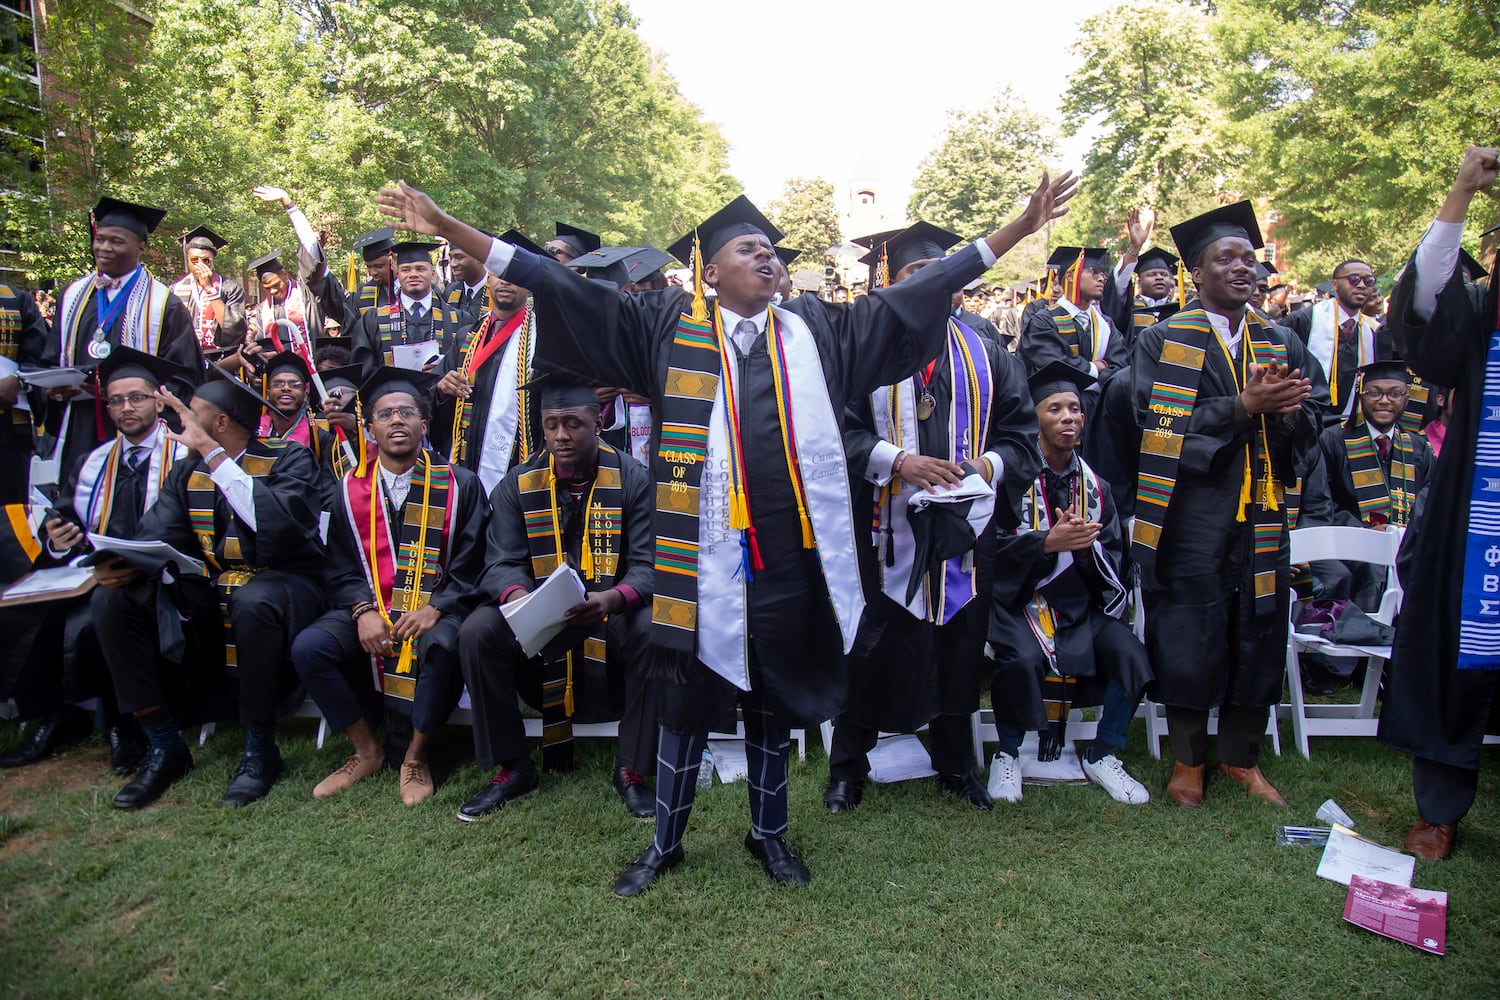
{"x": 807, "y": 214}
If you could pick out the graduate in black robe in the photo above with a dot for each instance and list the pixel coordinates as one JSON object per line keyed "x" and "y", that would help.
{"x": 1156, "y": 294}
{"x": 423, "y": 316}
{"x": 1216, "y": 641}
{"x": 350, "y": 659}
{"x": 1072, "y": 330}
{"x": 924, "y": 670}
{"x": 1433, "y": 710}
{"x": 790, "y": 667}
{"x": 140, "y": 311}
{"x": 24, "y": 340}
{"x": 216, "y": 302}
{"x": 166, "y": 632}
{"x": 377, "y": 249}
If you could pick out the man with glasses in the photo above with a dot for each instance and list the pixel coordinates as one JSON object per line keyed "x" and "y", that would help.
{"x": 570, "y": 243}
{"x": 116, "y": 483}
{"x": 1077, "y": 330}
{"x": 289, "y": 418}
{"x": 1339, "y": 334}
{"x": 409, "y": 509}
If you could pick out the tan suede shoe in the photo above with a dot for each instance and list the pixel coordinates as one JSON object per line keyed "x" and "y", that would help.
{"x": 355, "y": 768}
{"x": 416, "y": 783}
{"x": 1254, "y": 782}
{"x": 1186, "y": 785}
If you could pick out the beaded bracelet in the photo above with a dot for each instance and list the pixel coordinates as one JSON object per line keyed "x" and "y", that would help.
{"x": 900, "y": 461}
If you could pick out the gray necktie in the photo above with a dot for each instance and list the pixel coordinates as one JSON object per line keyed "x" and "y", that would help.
{"x": 745, "y": 334}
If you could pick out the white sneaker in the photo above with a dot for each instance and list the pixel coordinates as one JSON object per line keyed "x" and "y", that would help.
{"x": 1005, "y": 778}
{"x": 1109, "y": 774}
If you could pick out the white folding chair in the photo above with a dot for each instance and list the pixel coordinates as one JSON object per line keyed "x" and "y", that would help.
{"x": 1346, "y": 544}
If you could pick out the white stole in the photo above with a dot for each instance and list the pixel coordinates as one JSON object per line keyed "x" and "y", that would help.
{"x": 504, "y": 416}
{"x": 1323, "y": 339}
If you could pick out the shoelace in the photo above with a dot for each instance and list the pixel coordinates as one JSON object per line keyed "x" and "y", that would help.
{"x": 411, "y": 770}
{"x": 502, "y": 776}
{"x": 629, "y": 777}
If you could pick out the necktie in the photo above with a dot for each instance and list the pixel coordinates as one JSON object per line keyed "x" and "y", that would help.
{"x": 418, "y": 311}
{"x": 745, "y": 334}
{"x": 135, "y": 456}
{"x": 1383, "y": 445}
{"x": 1347, "y": 330}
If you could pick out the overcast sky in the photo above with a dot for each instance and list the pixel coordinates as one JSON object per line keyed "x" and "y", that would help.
{"x": 892, "y": 69}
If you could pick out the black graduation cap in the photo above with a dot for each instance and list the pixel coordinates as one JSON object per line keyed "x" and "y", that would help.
{"x": 608, "y": 263}
{"x": 738, "y": 218}
{"x": 288, "y": 361}
{"x": 556, "y": 393}
{"x": 1326, "y": 288}
{"x": 920, "y": 241}
{"x": 346, "y": 375}
{"x": 344, "y": 343}
{"x": 581, "y": 240}
{"x": 946, "y": 524}
{"x": 1471, "y": 266}
{"x": 127, "y": 362}
{"x": 242, "y": 403}
{"x": 414, "y": 251}
{"x": 1194, "y": 235}
{"x": 787, "y": 255}
{"x": 1385, "y": 370}
{"x": 388, "y": 379}
{"x": 202, "y": 238}
{"x": 1093, "y": 257}
{"x": 267, "y": 264}
{"x": 1059, "y": 376}
{"x": 1264, "y": 269}
{"x": 139, "y": 219}
{"x": 518, "y": 239}
{"x": 646, "y": 261}
{"x": 1154, "y": 259}
{"x": 376, "y": 243}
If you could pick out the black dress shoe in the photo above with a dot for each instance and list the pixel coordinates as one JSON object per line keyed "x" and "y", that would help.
{"x": 126, "y": 751}
{"x": 966, "y": 786}
{"x": 778, "y": 860}
{"x": 842, "y": 796}
{"x": 48, "y": 735}
{"x": 506, "y": 786}
{"x": 638, "y": 799}
{"x": 253, "y": 778}
{"x": 157, "y": 773}
{"x": 638, "y": 877}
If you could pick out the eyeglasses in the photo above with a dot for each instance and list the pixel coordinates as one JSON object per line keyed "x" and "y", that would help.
{"x": 404, "y": 412}
{"x": 553, "y": 251}
{"x": 286, "y": 383}
{"x": 134, "y": 400}
{"x": 1366, "y": 280}
{"x": 1394, "y": 395}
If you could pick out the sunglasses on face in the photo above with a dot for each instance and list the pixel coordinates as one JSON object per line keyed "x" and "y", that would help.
{"x": 1365, "y": 280}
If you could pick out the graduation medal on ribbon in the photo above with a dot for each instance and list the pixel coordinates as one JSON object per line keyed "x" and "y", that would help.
{"x": 926, "y": 403}
{"x": 100, "y": 347}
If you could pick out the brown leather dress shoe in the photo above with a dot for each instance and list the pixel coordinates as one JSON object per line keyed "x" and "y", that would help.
{"x": 1254, "y": 782}
{"x": 1186, "y": 785}
{"x": 1430, "y": 841}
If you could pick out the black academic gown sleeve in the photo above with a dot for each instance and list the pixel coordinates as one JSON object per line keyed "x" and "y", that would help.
{"x": 230, "y": 330}
{"x": 325, "y": 292}
{"x": 1112, "y": 442}
{"x": 1431, "y": 708}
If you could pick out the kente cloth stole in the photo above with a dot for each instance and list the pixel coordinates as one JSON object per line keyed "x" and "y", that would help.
{"x": 1479, "y": 618}
{"x": 1067, "y": 329}
{"x": 1184, "y": 352}
{"x": 599, "y": 560}
{"x": 404, "y": 567}
{"x": 476, "y": 352}
{"x": 225, "y": 560}
{"x": 101, "y": 501}
{"x": 369, "y": 297}
{"x": 10, "y": 323}
{"x": 1417, "y": 395}
{"x": 894, "y": 407}
{"x": 340, "y": 459}
{"x": 1388, "y": 498}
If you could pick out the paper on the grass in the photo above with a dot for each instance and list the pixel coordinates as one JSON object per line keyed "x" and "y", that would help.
{"x": 414, "y": 357}
{"x": 1065, "y": 770}
{"x": 54, "y": 580}
{"x": 729, "y": 759}
{"x": 537, "y": 618}
{"x": 1348, "y": 854}
{"x": 899, "y": 758}
{"x": 146, "y": 547}
{"x": 56, "y": 378}
{"x": 1418, "y": 917}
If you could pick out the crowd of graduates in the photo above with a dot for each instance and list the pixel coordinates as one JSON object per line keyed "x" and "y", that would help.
{"x": 779, "y": 509}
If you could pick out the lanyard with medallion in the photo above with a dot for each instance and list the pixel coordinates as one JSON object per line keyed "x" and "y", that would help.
{"x": 926, "y": 401}
{"x": 99, "y": 345}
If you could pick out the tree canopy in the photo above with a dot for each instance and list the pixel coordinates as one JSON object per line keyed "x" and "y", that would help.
{"x": 806, "y": 213}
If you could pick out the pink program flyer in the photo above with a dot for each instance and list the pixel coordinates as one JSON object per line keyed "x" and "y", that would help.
{"x": 1418, "y": 917}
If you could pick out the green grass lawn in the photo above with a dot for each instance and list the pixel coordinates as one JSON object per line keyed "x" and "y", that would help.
{"x": 1065, "y": 895}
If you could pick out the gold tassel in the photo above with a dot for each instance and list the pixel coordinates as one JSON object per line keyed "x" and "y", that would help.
{"x": 403, "y": 664}
{"x": 1246, "y": 485}
{"x": 883, "y": 270}
{"x": 808, "y": 542}
{"x": 1048, "y": 293}
{"x": 700, "y": 301}
{"x": 351, "y": 275}
{"x": 739, "y": 509}
{"x": 1181, "y": 288}
{"x": 568, "y": 691}
{"x": 586, "y": 560}
{"x": 363, "y": 467}
{"x": 1075, "y": 275}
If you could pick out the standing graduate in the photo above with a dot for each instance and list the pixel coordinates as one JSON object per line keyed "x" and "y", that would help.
{"x": 1078, "y": 330}
{"x": 968, "y": 405}
{"x": 1339, "y": 335}
{"x": 216, "y": 303}
{"x": 570, "y": 243}
{"x": 1376, "y": 468}
{"x": 405, "y": 555}
{"x": 311, "y": 301}
{"x": 245, "y": 507}
{"x": 1157, "y": 292}
{"x": 377, "y": 249}
{"x": 468, "y": 292}
{"x": 417, "y": 316}
{"x": 486, "y": 419}
{"x": 1054, "y": 625}
{"x": 120, "y": 304}
{"x": 1443, "y": 685}
{"x": 1224, "y": 411}
{"x": 755, "y": 394}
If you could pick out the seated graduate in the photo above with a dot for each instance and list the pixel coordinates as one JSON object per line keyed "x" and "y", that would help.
{"x": 927, "y": 666}
{"x": 583, "y": 503}
{"x": 287, "y": 383}
{"x": 52, "y": 663}
{"x": 405, "y": 554}
{"x": 1055, "y": 625}
{"x": 756, "y": 549}
{"x": 247, "y": 508}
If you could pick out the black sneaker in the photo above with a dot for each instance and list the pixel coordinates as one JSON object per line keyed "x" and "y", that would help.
{"x": 253, "y": 778}
{"x": 506, "y": 786}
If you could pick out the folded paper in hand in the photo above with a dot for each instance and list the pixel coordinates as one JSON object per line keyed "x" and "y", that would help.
{"x": 538, "y": 617}
{"x": 142, "y": 553}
